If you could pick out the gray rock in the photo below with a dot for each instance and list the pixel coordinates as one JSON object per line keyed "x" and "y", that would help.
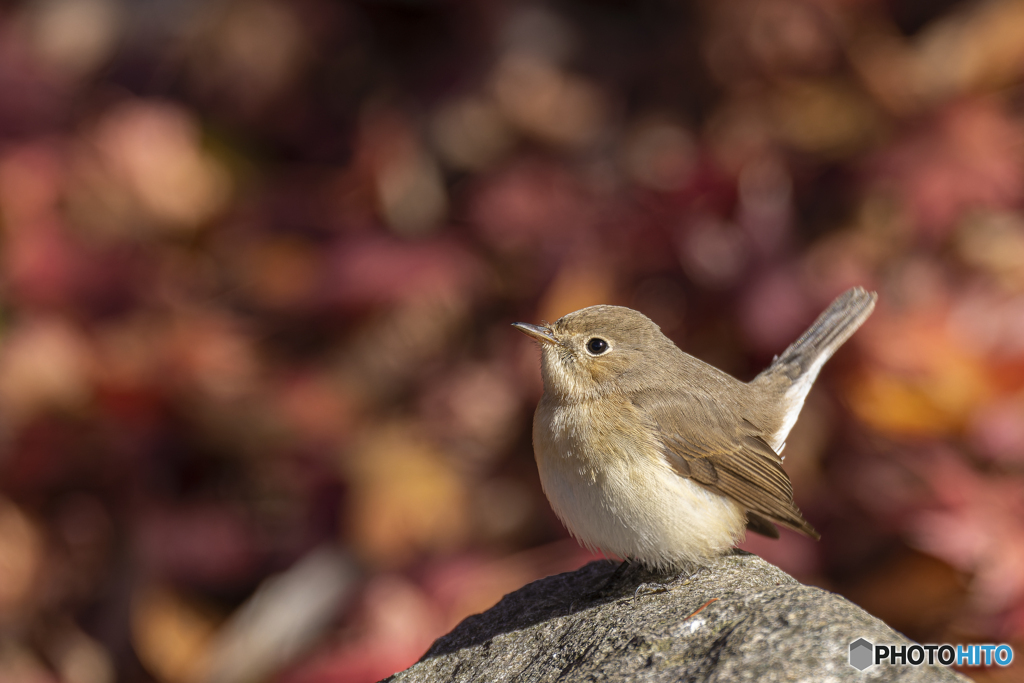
{"x": 739, "y": 619}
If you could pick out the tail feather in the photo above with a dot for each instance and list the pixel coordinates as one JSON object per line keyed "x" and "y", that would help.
{"x": 798, "y": 366}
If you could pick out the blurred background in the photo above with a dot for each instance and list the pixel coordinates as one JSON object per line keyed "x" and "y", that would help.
{"x": 262, "y": 415}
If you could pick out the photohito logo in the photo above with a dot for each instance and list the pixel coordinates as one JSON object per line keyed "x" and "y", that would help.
{"x": 865, "y": 654}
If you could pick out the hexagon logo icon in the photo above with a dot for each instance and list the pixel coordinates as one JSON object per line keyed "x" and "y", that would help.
{"x": 861, "y": 654}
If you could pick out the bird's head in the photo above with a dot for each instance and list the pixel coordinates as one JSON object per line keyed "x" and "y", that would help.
{"x": 598, "y": 350}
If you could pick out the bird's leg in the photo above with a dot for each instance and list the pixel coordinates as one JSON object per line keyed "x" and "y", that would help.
{"x": 618, "y": 573}
{"x": 610, "y": 582}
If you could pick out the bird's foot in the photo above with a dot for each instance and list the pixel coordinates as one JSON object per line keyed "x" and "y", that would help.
{"x": 682, "y": 578}
{"x": 691, "y": 573}
{"x": 651, "y": 589}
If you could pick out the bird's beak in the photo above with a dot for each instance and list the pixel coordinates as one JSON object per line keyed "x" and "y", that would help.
{"x": 541, "y": 334}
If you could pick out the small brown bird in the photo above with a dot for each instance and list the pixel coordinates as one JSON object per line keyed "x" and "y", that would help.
{"x": 647, "y": 453}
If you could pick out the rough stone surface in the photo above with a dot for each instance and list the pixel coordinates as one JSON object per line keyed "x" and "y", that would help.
{"x": 740, "y": 619}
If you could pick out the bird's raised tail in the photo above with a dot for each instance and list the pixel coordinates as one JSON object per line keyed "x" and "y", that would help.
{"x": 798, "y": 366}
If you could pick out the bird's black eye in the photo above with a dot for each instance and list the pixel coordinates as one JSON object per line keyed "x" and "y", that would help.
{"x": 597, "y": 346}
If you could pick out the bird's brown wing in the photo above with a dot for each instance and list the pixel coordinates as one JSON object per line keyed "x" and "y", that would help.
{"x": 727, "y": 454}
